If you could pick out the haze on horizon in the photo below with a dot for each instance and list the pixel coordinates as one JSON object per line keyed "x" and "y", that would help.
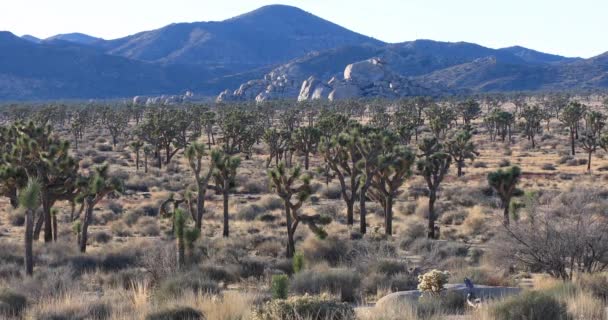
{"x": 559, "y": 26}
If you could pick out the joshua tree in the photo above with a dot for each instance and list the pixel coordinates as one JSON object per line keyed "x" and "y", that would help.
{"x": 29, "y": 199}
{"x": 393, "y": 168}
{"x": 306, "y": 140}
{"x": 469, "y": 111}
{"x": 433, "y": 165}
{"x": 208, "y": 121}
{"x": 224, "y": 176}
{"x": 136, "y": 147}
{"x": 460, "y": 148}
{"x": 341, "y": 156}
{"x": 440, "y": 118}
{"x": 195, "y": 153}
{"x": 504, "y": 183}
{"x": 148, "y": 151}
{"x": 93, "y": 189}
{"x": 117, "y": 123}
{"x": 532, "y": 117}
{"x": 595, "y": 121}
{"x": 290, "y": 183}
{"x": 570, "y": 117}
{"x": 278, "y": 142}
{"x": 180, "y": 225}
{"x": 589, "y": 142}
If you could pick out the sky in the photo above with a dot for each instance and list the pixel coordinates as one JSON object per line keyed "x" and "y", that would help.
{"x": 570, "y": 28}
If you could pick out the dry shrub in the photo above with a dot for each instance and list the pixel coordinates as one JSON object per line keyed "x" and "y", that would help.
{"x": 474, "y": 222}
{"x": 148, "y": 227}
{"x": 332, "y": 250}
{"x": 344, "y": 283}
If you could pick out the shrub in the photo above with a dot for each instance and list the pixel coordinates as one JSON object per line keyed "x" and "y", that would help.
{"x": 433, "y": 281}
{"x": 342, "y": 282}
{"x": 252, "y": 267}
{"x": 278, "y": 286}
{"x": 305, "y": 307}
{"x": 331, "y": 250}
{"x": 148, "y": 227}
{"x": 448, "y": 303}
{"x": 480, "y": 164}
{"x": 120, "y": 229}
{"x": 226, "y": 274}
{"x": 597, "y": 284}
{"x": 17, "y": 218}
{"x": 104, "y": 147}
{"x": 249, "y": 212}
{"x": 176, "y": 313}
{"x": 177, "y": 284}
{"x": 504, "y": 163}
{"x": 11, "y": 303}
{"x": 270, "y": 202}
{"x": 117, "y": 261}
{"x": 548, "y": 167}
{"x": 332, "y": 191}
{"x": 530, "y": 305}
{"x": 298, "y": 262}
{"x": 102, "y": 237}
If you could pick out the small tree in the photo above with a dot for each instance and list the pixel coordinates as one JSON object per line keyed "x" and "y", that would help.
{"x": 570, "y": 117}
{"x": 136, "y": 147}
{"x": 532, "y": 117}
{"x": 460, "y": 147}
{"x": 469, "y": 111}
{"x": 504, "y": 183}
{"x": 29, "y": 199}
{"x": 92, "y": 190}
{"x": 433, "y": 166}
{"x": 195, "y": 153}
{"x": 180, "y": 226}
{"x": 148, "y": 151}
{"x": 224, "y": 176}
{"x": 589, "y": 143}
{"x": 306, "y": 140}
{"x": 290, "y": 183}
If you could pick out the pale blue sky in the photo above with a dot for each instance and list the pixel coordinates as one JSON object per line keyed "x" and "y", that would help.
{"x": 572, "y": 28}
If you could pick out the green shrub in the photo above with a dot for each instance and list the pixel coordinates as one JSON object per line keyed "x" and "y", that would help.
{"x": 342, "y": 282}
{"x": 305, "y": 307}
{"x": 448, "y": 303}
{"x": 530, "y": 305}
{"x": 279, "y": 285}
{"x": 11, "y": 303}
{"x": 298, "y": 262}
{"x": 193, "y": 281}
{"x": 177, "y": 313}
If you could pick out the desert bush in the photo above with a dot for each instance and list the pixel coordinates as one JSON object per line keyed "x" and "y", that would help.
{"x": 530, "y": 305}
{"x": 176, "y": 313}
{"x": 454, "y": 217}
{"x": 148, "y": 227}
{"x": 298, "y": 262}
{"x": 120, "y": 229}
{"x": 449, "y": 303}
{"x": 597, "y": 284}
{"x": 305, "y": 307}
{"x": 101, "y": 237}
{"x": 177, "y": 284}
{"x": 331, "y": 250}
{"x": 341, "y": 282}
{"x": 270, "y": 202}
{"x": 480, "y": 164}
{"x": 279, "y": 286}
{"x": 548, "y": 167}
{"x": 225, "y": 273}
{"x": 118, "y": 260}
{"x": 504, "y": 163}
{"x": 115, "y": 206}
{"x": 433, "y": 281}
{"x": 252, "y": 267}
{"x": 249, "y": 212}
{"x": 11, "y": 303}
{"x": 331, "y": 191}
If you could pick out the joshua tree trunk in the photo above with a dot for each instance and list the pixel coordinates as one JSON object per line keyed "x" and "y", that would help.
{"x": 48, "y": 223}
{"x": 388, "y": 216}
{"x": 572, "y": 141}
{"x": 29, "y": 229}
{"x": 55, "y": 230}
{"x": 85, "y": 226}
{"x": 291, "y": 248}
{"x": 145, "y": 163}
{"x": 200, "y": 209}
{"x": 226, "y": 195}
{"x": 506, "y": 221}
{"x": 431, "y": 227}
{"x": 460, "y": 164}
{"x": 137, "y": 160}
{"x": 181, "y": 251}
{"x": 589, "y": 163}
{"x": 306, "y": 160}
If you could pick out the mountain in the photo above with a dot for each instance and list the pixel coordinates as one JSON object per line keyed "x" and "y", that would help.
{"x": 272, "y": 53}
{"x": 270, "y": 35}
{"x": 31, "y": 38}
{"x": 79, "y": 38}
{"x": 533, "y": 56}
{"x": 50, "y": 71}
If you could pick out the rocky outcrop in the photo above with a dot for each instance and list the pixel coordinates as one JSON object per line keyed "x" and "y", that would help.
{"x": 163, "y": 100}
{"x": 365, "y": 79}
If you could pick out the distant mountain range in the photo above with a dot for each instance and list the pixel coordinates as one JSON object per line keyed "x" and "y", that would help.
{"x": 273, "y": 41}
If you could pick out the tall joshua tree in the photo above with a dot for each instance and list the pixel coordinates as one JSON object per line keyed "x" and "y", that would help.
{"x": 342, "y": 156}
{"x": 504, "y": 183}
{"x": 570, "y": 117}
{"x": 29, "y": 199}
{"x": 460, "y": 148}
{"x": 306, "y": 140}
{"x": 532, "y": 117}
{"x": 224, "y": 176}
{"x": 589, "y": 142}
{"x": 195, "y": 153}
{"x": 136, "y": 147}
{"x": 289, "y": 184}
{"x": 393, "y": 168}
{"x": 148, "y": 151}
{"x": 433, "y": 165}
{"x": 93, "y": 189}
